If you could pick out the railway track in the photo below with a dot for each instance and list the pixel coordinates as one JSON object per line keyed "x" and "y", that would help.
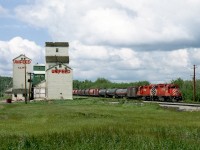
{"x": 180, "y": 106}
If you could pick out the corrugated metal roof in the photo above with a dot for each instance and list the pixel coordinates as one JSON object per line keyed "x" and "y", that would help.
{"x": 23, "y": 56}
{"x": 39, "y": 65}
{"x": 19, "y": 91}
{"x": 62, "y": 59}
{"x": 56, "y": 44}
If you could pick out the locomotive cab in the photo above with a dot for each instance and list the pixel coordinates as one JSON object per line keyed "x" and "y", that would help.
{"x": 173, "y": 92}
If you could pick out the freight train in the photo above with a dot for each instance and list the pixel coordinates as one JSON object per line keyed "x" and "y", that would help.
{"x": 154, "y": 92}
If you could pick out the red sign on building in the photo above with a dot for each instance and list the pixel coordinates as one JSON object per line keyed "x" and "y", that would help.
{"x": 21, "y": 61}
{"x": 58, "y": 71}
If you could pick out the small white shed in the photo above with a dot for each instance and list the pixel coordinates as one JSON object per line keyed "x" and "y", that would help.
{"x": 39, "y": 90}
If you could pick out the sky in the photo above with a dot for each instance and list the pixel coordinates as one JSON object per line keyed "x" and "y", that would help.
{"x": 120, "y": 40}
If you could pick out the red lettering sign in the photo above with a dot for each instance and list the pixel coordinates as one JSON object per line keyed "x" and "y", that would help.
{"x": 21, "y": 61}
{"x": 58, "y": 71}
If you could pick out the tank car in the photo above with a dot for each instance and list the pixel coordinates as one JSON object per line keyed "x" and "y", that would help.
{"x": 79, "y": 92}
{"x": 86, "y": 93}
{"x": 102, "y": 92}
{"x": 82, "y": 92}
{"x": 121, "y": 93}
{"x": 94, "y": 92}
{"x": 111, "y": 93}
{"x": 75, "y": 92}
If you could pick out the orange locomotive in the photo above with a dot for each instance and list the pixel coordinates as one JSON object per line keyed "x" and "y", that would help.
{"x": 161, "y": 92}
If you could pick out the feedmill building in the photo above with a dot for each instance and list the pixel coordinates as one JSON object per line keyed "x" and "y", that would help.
{"x": 53, "y": 80}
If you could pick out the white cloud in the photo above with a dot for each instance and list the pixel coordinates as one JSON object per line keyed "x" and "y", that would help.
{"x": 125, "y": 64}
{"x": 117, "y": 64}
{"x": 195, "y": 56}
{"x": 13, "y": 48}
{"x": 106, "y": 36}
{"x": 115, "y": 22}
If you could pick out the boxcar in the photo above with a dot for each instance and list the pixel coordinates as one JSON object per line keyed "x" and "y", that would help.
{"x": 132, "y": 92}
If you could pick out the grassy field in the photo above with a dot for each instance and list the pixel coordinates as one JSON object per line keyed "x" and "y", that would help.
{"x": 4, "y": 98}
{"x": 96, "y": 124}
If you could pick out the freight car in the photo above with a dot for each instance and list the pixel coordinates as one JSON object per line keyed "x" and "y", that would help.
{"x": 94, "y": 92}
{"x": 102, "y": 93}
{"x": 111, "y": 92}
{"x": 121, "y": 93}
{"x": 158, "y": 92}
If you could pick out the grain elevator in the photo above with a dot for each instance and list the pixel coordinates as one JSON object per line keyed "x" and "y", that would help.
{"x": 22, "y": 67}
{"x": 58, "y": 74}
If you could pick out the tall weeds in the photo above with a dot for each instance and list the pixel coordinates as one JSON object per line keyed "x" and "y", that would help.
{"x": 91, "y": 124}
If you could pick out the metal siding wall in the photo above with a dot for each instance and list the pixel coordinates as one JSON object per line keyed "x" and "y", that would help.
{"x": 39, "y": 93}
{"x": 39, "y": 90}
{"x": 62, "y": 51}
{"x": 49, "y": 65}
{"x": 19, "y": 75}
{"x": 59, "y": 83}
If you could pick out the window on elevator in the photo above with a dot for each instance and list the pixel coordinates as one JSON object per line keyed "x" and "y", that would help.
{"x": 60, "y": 65}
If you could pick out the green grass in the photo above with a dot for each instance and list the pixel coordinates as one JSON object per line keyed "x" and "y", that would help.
{"x": 5, "y": 97}
{"x": 96, "y": 124}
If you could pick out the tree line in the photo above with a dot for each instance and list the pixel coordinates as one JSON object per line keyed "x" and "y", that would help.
{"x": 186, "y": 86}
{"x": 104, "y": 83}
{"x": 5, "y": 83}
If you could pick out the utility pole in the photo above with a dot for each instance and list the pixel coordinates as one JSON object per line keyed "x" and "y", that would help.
{"x": 0, "y": 87}
{"x": 30, "y": 85}
{"x": 25, "y": 79}
{"x": 194, "y": 85}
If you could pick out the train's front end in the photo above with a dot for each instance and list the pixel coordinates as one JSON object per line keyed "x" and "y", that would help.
{"x": 175, "y": 92}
